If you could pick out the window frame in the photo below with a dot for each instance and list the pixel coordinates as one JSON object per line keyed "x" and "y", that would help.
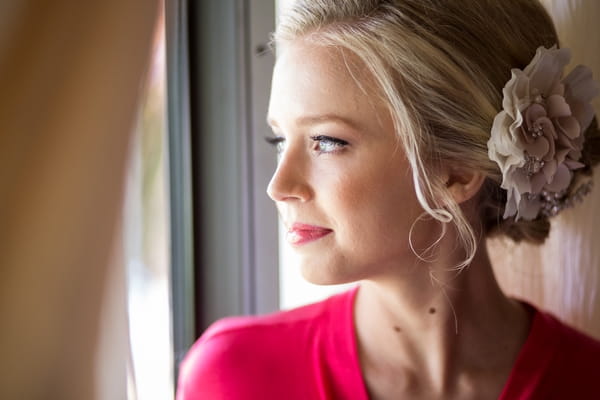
{"x": 182, "y": 290}
{"x": 224, "y": 239}
{"x": 235, "y": 223}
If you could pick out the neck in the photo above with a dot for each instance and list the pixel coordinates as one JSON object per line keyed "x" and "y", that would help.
{"x": 434, "y": 326}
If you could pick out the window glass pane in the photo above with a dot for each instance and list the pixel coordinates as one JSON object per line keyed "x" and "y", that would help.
{"x": 147, "y": 241}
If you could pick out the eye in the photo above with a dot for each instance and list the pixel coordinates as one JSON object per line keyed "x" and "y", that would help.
{"x": 277, "y": 141}
{"x": 328, "y": 144}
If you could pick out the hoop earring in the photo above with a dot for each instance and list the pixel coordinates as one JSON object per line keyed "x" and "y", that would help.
{"x": 446, "y": 218}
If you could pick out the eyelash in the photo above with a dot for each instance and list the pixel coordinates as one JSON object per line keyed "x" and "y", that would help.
{"x": 338, "y": 144}
{"x": 277, "y": 142}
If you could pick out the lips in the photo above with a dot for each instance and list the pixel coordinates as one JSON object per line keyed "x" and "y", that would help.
{"x": 302, "y": 233}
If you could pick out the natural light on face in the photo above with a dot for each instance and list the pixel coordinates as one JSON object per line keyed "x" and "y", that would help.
{"x": 342, "y": 185}
{"x": 294, "y": 290}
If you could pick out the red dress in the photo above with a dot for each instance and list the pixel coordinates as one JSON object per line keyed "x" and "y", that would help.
{"x": 311, "y": 353}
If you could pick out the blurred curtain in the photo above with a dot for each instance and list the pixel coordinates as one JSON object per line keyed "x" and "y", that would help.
{"x": 563, "y": 275}
{"x": 70, "y": 77}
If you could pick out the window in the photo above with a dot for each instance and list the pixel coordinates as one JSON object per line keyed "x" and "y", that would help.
{"x": 201, "y": 234}
{"x": 146, "y": 238}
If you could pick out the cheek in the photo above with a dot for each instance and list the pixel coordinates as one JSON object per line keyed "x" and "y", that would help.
{"x": 378, "y": 205}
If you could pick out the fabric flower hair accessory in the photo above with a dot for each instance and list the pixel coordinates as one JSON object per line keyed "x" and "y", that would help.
{"x": 537, "y": 138}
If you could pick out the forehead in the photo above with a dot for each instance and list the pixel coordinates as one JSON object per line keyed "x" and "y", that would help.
{"x": 311, "y": 79}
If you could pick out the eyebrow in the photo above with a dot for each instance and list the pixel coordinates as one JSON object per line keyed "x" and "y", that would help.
{"x": 317, "y": 119}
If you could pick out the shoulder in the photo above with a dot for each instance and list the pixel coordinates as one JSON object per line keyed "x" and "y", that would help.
{"x": 556, "y": 362}
{"x": 237, "y": 357}
{"x": 574, "y": 365}
{"x": 573, "y": 345}
{"x": 267, "y": 332}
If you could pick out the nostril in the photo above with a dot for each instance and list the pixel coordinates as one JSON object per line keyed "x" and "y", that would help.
{"x": 276, "y": 190}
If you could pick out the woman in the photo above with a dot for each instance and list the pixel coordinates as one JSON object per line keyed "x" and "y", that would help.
{"x": 408, "y": 132}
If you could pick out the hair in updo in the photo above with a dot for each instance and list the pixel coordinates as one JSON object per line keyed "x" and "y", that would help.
{"x": 441, "y": 66}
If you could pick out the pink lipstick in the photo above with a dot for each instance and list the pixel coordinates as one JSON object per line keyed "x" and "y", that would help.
{"x": 302, "y": 233}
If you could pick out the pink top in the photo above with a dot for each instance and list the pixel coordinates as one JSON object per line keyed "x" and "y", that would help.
{"x": 311, "y": 353}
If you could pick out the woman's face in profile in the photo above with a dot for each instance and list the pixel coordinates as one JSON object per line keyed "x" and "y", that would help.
{"x": 342, "y": 186}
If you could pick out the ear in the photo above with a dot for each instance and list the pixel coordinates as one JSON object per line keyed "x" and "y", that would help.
{"x": 463, "y": 183}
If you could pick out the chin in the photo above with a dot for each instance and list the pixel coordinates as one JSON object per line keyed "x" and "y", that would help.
{"x": 324, "y": 274}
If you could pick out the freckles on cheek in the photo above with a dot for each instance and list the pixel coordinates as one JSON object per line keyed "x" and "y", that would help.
{"x": 388, "y": 195}
{"x": 348, "y": 188}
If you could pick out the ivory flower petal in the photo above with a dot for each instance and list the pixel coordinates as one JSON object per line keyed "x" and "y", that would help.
{"x": 537, "y": 138}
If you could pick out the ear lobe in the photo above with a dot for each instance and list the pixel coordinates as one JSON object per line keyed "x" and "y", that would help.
{"x": 463, "y": 184}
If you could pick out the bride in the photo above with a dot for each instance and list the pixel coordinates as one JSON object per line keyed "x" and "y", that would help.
{"x": 408, "y": 132}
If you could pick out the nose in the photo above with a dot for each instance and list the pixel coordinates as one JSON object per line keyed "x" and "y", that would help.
{"x": 290, "y": 180}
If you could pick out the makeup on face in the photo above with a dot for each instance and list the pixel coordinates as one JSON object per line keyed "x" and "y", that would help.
{"x": 300, "y": 234}
{"x": 341, "y": 186}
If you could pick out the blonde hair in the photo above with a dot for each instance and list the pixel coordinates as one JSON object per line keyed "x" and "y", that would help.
{"x": 441, "y": 66}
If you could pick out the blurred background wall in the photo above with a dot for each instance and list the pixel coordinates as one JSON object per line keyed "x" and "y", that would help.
{"x": 563, "y": 275}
